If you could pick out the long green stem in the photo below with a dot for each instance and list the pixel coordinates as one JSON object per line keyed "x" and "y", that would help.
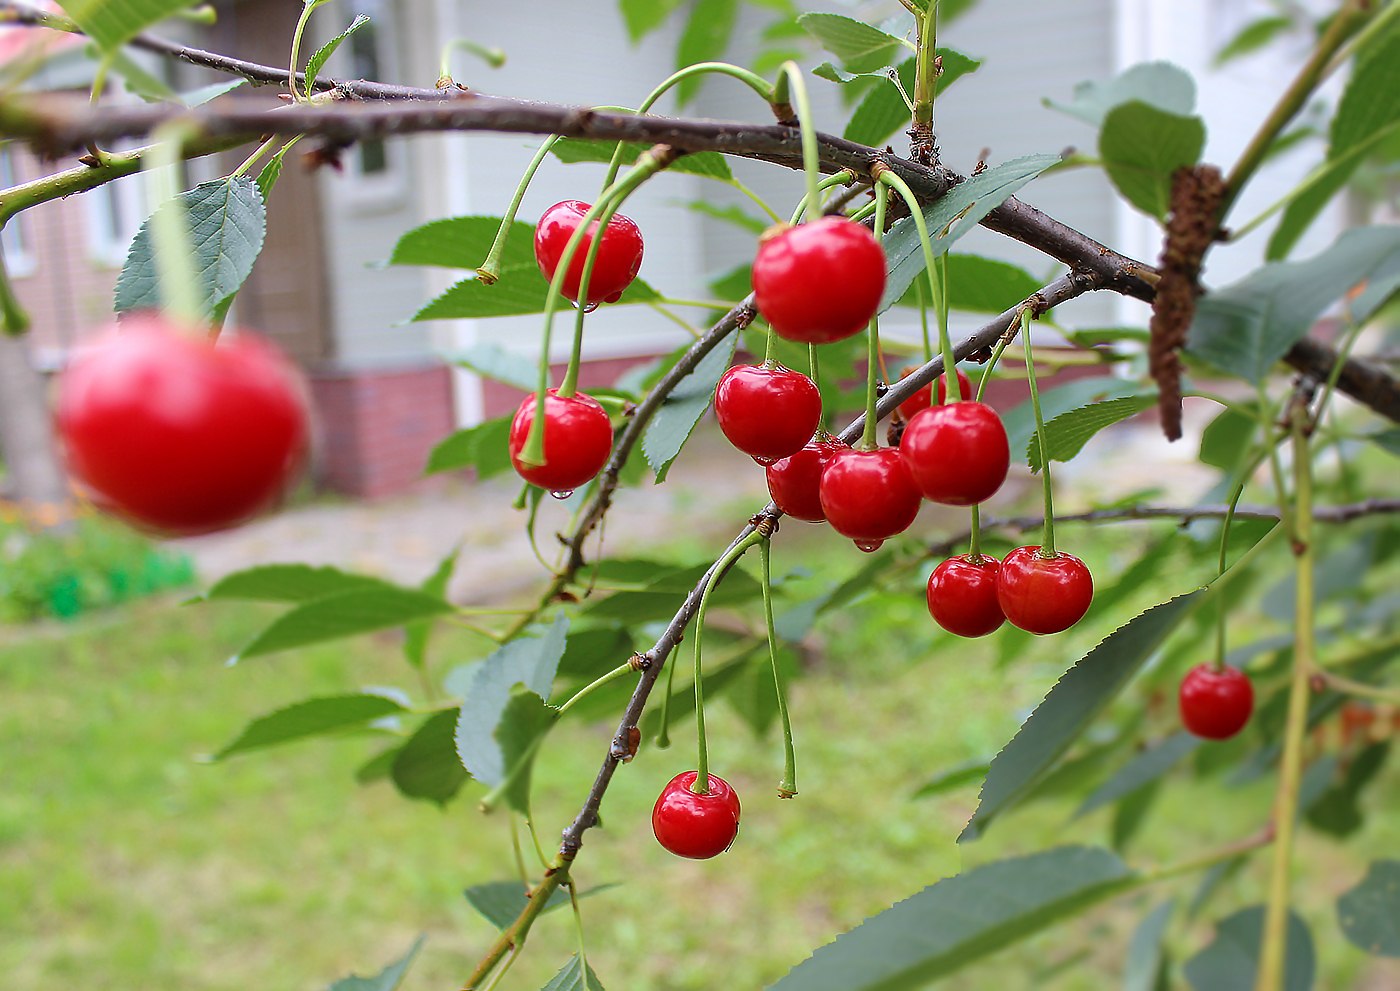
{"x": 490, "y": 269}
{"x": 306, "y": 10}
{"x": 868, "y": 440}
{"x": 701, "y": 785}
{"x": 925, "y": 69}
{"x": 1275, "y": 940}
{"x": 585, "y": 280}
{"x": 843, "y": 178}
{"x": 14, "y": 321}
{"x": 787, "y": 787}
{"x": 923, "y": 322}
{"x": 258, "y": 153}
{"x": 1047, "y": 544}
{"x": 620, "y": 671}
{"x": 790, "y": 78}
{"x": 170, "y": 232}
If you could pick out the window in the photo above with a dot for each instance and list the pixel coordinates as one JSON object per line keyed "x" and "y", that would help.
{"x": 375, "y": 170}
{"x": 14, "y": 246}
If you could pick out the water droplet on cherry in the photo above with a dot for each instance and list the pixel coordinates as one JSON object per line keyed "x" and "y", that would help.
{"x": 562, "y": 494}
{"x": 590, "y": 307}
{"x": 869, "y": 546}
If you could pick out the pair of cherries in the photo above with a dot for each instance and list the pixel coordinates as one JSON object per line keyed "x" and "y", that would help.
{"x": 972, "y": 595}
{"x": 578, "y": 435}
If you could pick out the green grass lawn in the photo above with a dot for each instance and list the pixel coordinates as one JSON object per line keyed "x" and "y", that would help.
{"x": 127, "y": 863}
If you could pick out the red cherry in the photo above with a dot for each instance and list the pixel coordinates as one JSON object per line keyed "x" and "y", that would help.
{"x": 923, "y": 399}
{"x": 618, "y": 260}
{"x": 577, "y": 440}
{"x": 696, "y": 826}
{"x": 962, "y": 595}
{"x": 820, "y": 282}
{"x": 767, "y": 411}
{"x": 958, "y": 454}
{"x": 1044, "y": 594}
{"x": 868, "y": 495}
{"x": 793, "y": 481}
{"x": 178, "y": 435}
{"x": 1215, "y": 704}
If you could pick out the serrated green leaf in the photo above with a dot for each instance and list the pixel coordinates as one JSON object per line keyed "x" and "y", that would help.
{"x": 524, "y": 721}
{"x": 1245, "y": 328}
{"x": 495, "y": 362}
{"x": 1158, "y": 84}
{"x": 1066, "y": 434}
{"x": 642, "y": 17}
{"x": 710, "y": 164}
{"x": 1142, "y": 146}
{"x": 112, "y": 23}
{"x": 860, "y": 46}
{"x": 730, "y": 214}
{"x": 202, "y": 95}
{"x": 951, "y": 216}
{"x": 1232, "y": 959}
{"x": 706, "y": 36}
{"x": 289, "y": 583}
{"x": 472, "y": 298}
{"x": 1369, "y": 913}
{"x": 313, "y": 717}
{"x": 979, "y": 285}
{"x": 960, "y": 919}
{"x": 1252, "y": 37}
{"x": 323, "y": 54}
{"x": 483, "y": 447}
{"x": 415, "y": 635}
{"x": 342, "y": 615}
{"x": 1020, "y": 420}
{"x": 1229, "y": 436}
{"x": 1073, "y": 703}
{"x": 1145, "y": 951}
{"x": 271, "y": 172}
{"x": 672, "y": 424}
{"x": 387, "y": 979}
{"x": 136, "y": 77}
{"x": 227, "y": 221}
{"x": 1148, "y": 766}
{"x": 426, "y": 767}
{"x": 463, "y": 242}
{"x": 882, "y": 111}
{"x": 590, "y": 653}
{"x": 572, "y": 978}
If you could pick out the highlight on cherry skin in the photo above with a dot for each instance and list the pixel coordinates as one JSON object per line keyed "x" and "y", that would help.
{"x": 619, "y": 257}
{"x": 819, "y": 282}
{"x": 180, "y": 435}
{"x": 693, "y": 825}
{"x": 578, "y": 438}
{"x": 1215, "y": 704}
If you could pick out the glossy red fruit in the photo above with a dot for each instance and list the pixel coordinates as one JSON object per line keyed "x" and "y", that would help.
{"x": 178, "y": 435}
{"x": 1215, "y": 704}
{"x": 577, "y": 441}
{"x": 619, "y": 258}
{"x": 868, "y": 495}
{"x": 1044, "y": 595}
{"x": 819, "y": 282}
{"x": 962, "y": 595}
{"x": 923, "y": 399}
{"x": 957, "y": 454}
{"x": 793, "y": 481}
{"x": 767, "y": 411}
{"x": 696, "y": 826}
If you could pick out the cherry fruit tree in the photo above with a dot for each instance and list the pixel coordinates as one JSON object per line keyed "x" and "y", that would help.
{"x": 873, "y": 230}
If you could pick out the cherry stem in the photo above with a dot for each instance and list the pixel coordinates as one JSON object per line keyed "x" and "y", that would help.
{"x": 578, "y": 931}
{"x": 590, "y": 260}
{"x": 14, "y": 320}
{"x": 701, "y": 784}
{"x": 490, "y": 269}
{"x": 306, "y": 10}
{"x": 867, "y": 437}
{"x": 923, "y": 322}
{"x": 790, "y": 77}
{"x": 974, "y": 549}
{"x": 1047, "y": 544}
{"x": 1272, "y": 950}
{"x": 752, "y": 80}
{"x": 1235, "y": 493}
{"x": 620, "y": 671}
{"x": 843, "y": 178}
{"x": 885, "y": 177}
{"x": 258, "y": 153}
{"x": 1004, "y": 340}
{"x": 787, "y": 787}
{"x": 176, "y": 274}
{"x": 926, "y": 72}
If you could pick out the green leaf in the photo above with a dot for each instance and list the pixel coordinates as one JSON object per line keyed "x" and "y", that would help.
{"x": 426, "y": 767}
{"x": 1130, "y": 813}
{"x": 953, "y": 778}
{"x": 1145, "y": 951}
{"x": 1148, "y": 766}
{"x": 591, "y": 653}
{"x": 1252, "y": 37}
{"x": 1231, "y": 960}
{"x": 710, "y": 164}
{"x": 313, "y": 717}
{"x": 387, "y": 979}
{"x": 1245, "y": 328}
{"x": 979, "y": 285}
{"x": 463, "y": 242}
{"x": 495, "y": 362}
{"x": 522, "y": 293}
{"x": 960, "y": 919}
{"x": 1066, "y": 434}
{"x": 642, "y": 17}
{"x": 344, "y": 614}
{"x": 415, "y": 638}
{"x": 1020, "y": 420}
{"x": 202, "y": 95}
{"x": 271, "y": 172}
{"x": 571, "y": 978}
{"x": 501, "y": 902}
{"x": 704, "y": 39}
{"x": 730, "y": 214}
{"x": 227, "y": 223}
{"x": 289, "y": 583}
{"x": 528, "y": 661}
{"x": 1141, "y": 146}
{"x": 1338, "y": 811}
{"x": 951, "y": 216}
{"x": 483, "y": 447}
{"x": 1228, "y": 437}
{"x": 524, "y": 721}
{"x": 673, "y": 423}
{"x": 1158, "y": 84}
{"x": 323, "y": 54}
{"x": 1078, "y": 697}
{"x": 138, "y": 80}
{"x": 859, "y": 46}
{"x": 1369, "y": 913}
{"x": 112, "y": 23}
{"x": 882, "y": 111}
{"x": 1386, "y": 440}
